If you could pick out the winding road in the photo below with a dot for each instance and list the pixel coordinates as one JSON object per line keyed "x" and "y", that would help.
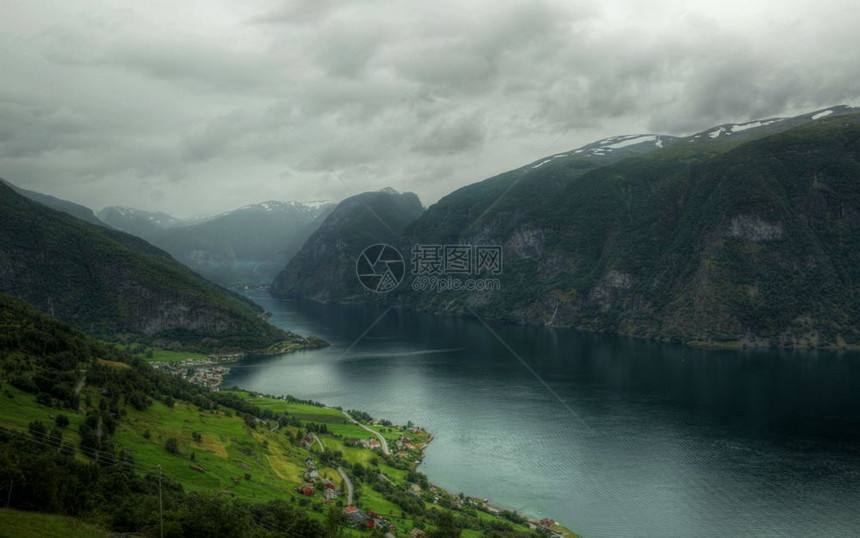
{"x": 348, "y": 483}
{"x": 340, "y": 471}
{"x": 378, "y": 435}
{"x": 322, "y": 448}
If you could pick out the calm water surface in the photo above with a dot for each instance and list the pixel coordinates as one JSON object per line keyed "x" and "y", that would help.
{"x": 665, "y": 440}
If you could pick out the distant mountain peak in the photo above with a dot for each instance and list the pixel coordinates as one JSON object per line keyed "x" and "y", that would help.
{"x": 389, "y": 190}
{"x": 276, "y": 205}
{"x": 317, "y": 203}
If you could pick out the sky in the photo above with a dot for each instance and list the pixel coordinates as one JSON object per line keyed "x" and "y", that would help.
{"x": 199, "y": 107}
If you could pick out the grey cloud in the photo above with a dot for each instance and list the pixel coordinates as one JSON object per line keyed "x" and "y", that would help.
{"x": 452, "y": 136}
{"x": 118, "y": 106}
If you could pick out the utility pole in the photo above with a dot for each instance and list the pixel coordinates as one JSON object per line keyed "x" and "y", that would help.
{"x": 9, "y": 498}
{"x": 160, "y": 506}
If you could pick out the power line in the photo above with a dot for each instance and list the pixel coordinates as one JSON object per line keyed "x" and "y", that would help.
{"x": 160, "y": 505}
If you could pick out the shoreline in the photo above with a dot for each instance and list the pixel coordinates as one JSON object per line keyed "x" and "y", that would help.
{"x": 736, "y": 344}
{"x": 555, "y": 530}
{"x": 495, "y": 508}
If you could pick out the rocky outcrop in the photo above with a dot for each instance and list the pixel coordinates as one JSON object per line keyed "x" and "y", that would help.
{"x": 754, "y": 228}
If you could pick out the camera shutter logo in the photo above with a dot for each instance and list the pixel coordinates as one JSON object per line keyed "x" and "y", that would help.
{"x": 380, "y": 268}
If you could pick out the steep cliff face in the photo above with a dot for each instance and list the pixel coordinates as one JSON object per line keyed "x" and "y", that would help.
{"x": 324, "y": 269}
{"x": 741, "y": 235}
{"x": 754, "y": 244}
{"x": 105, "y": 282}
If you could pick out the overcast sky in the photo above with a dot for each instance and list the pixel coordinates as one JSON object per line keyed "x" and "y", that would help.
{"x": 175, "y": 105}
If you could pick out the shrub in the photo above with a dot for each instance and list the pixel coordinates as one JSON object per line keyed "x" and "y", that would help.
{"x": 172, "y": 445}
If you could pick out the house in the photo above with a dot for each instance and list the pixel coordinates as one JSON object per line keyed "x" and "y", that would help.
{"x": 329, "y": 490}
{"x": 309, "y": 462}
{"x": 417, "y": 533}
{"x": 307, "y": 441}
{"x": 306, "y": 489}
{"x": 355, "y": 516}
{"x": 547, "y": 522}
{"x": 312, "y": 474}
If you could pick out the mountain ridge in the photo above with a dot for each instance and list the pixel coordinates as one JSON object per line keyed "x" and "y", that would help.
{"x": 695, "y": 242}
{"x": 107, "y": 282}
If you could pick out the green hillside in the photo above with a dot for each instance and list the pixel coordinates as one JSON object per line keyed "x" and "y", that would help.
{"x": 753, "y": 244}
{"x": 107, "y": 283}
{"x": 87, "y": 431}
{"x": 20, "y": 524}
{"x": 748, "y": 239}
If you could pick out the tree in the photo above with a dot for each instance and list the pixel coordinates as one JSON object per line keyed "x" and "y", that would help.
{"x": 62, "y": 421}
{"x": 38, "y": 430}
{"x": 334, "y": 522}
{"x": 172, "y": 445}
{"x": 445, "y": 527}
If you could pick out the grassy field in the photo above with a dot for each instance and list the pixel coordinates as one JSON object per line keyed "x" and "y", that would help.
{"x": 19, "y": 409}
{"x": 19, "y": 524}
{"x": 155, "y": 354}
{"x": 219, "y": 451}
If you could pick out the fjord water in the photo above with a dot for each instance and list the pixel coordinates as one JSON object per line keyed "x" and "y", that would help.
{"x": 658, "y": 439}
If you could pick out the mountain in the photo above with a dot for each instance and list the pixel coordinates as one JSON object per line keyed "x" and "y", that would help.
{"x": 76, "y": 210}
{"x": 324, "y": 268}
{"x": 107, "y": 282}
{"x": 247, "y": 246}
{"x": 743, "y": 234}
{"x": 137, "y": 221}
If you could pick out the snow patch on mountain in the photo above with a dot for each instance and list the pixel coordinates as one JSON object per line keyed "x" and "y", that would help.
{"x": 632, "y": 140}
{"x": 822, "y": 114}
{"x": 753, "y": 124}
{"x": 274, "y": 205}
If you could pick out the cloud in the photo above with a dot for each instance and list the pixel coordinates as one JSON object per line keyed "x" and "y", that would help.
{"x": 172, "y": 105}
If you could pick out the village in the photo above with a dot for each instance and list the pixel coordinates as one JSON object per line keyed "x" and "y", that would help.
{"x": 409, "y": 450}
{"x": 208, "y": 372}
{"x": 325, "y": 482}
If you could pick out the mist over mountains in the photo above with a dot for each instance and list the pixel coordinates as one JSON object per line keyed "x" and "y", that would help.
{"x": 247, "y": 246}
